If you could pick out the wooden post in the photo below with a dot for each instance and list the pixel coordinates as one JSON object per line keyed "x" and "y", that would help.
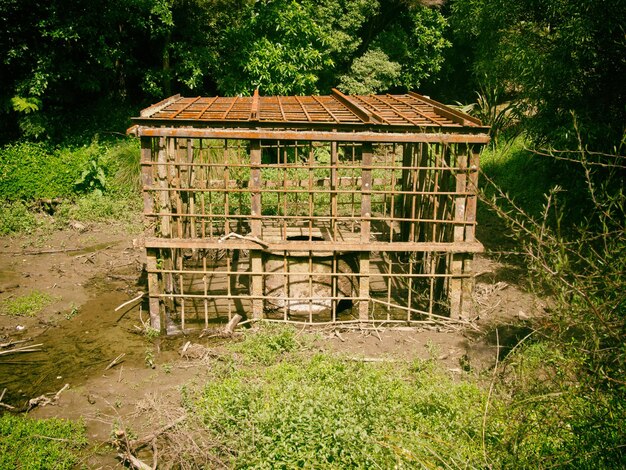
{"x": 460, "y": 301}
{"x": 366, "y": 214}
{"x": 256, "y": 229}
{"x": 153, "y": 289}
{"x": 147, "y": 181}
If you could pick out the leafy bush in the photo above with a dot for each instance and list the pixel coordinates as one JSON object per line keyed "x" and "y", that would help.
{"x": 580, "y": 262}
{"x": 15, "y": 217}
{"x": 39, "y": 444}
{"x": 31, "y": 171}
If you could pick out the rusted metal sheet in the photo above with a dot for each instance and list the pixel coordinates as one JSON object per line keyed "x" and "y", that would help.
{"x": 408, "y": 111}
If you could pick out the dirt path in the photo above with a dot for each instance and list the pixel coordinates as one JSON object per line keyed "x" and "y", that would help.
{"x": 90, "y": 272}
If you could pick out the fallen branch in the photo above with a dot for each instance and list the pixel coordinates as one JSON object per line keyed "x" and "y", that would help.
{"x": 141, "y": 294}
{"x": 115, "y": 361}
{"x": 139, "y": 443}
{"x": 134, "y": 461}
{"x": 130, "y": 447}
{"x": 11, "y": 343}
{"x": 22, "y": 349}
{"x": 4, "y": 405}
{"x": 43, "y": 400}
{"x": 232, "y": 324}
{"x": 243, "y": 237}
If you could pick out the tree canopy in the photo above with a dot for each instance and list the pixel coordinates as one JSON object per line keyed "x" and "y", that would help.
{"x": 550, "y": 58}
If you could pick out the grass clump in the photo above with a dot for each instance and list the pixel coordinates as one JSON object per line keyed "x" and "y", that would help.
{"x": 27, "y": 305}
{"x": 40, "y": 444}
{"x": 325, "y": 411}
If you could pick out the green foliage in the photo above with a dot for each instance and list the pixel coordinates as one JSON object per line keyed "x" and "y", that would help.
{"x": 553, "y": 58}
{"x": 280, "y": 49}
{"x": 326, "y": 412}
{"x": 553, "y": 418}
{"x": 35, "y": 171}
{"x": 92, "y": 179}
{"x": 371, "y": 73}
{"x": 28, "y": 305}
{"x": 15, "y": 218}
{"x": 579, "y": 260}
{"x": 96, "y": 207}
{"x": 40, "y": 444}
{"x": 267, "y": 344}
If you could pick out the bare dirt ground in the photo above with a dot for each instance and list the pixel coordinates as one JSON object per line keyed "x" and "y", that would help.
{"x": 91, "y": 270}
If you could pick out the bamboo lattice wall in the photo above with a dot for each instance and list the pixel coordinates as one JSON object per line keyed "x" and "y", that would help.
{"x": 360, "y": 219}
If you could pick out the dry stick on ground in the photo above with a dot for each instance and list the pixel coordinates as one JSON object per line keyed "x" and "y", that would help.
{"x": 4, "y": 405}
{"x": 115, "y": 361}
{"x": 11, "y": 343}
{"x": 43, "y": 400}
{"x": 141, "y": 294}
{"x": 232, "y": 324}
{"x": 130, "y": 447}
{"x": 22, "y": 349}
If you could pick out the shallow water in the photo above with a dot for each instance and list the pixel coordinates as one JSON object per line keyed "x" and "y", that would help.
{"x": 75, "y": 349}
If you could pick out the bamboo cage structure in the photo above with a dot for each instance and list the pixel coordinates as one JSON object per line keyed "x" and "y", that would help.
{"x": 312, "y": 209}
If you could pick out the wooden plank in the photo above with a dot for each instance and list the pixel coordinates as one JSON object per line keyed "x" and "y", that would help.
{"x": 364, "y": 286}
{"x": 321, "y": 136}
{"x": 365, "y": 115}
{"x": 450, "y": 113}
{"x": 234, "y": 244}
{"x": 155, "y": 108}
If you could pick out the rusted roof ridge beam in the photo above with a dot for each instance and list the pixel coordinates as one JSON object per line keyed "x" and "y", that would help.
{"x": 364, "y": 115}
{"x": 184, "y": 107}
{"x": 280, "y": 108}
{"x": 448, "y": 112}
{"x": 426, "y": 116}
{"x": 229, "y": 108}
{"x": 254, "y": 109}
{"x": 303, "y": 108}
{"x": 204, "y": 110}
{"x": 155, "y": 108}
{"x": 330, "y": 113}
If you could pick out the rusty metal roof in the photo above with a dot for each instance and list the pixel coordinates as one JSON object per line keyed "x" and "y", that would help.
{"x": 400, "y": 112}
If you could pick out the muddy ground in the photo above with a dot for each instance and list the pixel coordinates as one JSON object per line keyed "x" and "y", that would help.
{"x": 90, "y": 270}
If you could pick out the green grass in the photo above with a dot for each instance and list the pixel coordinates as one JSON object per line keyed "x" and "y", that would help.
{"x": 286, "y": 406}
{"x": 28, "y": 305}
{"x": 16, "y": 218}
{"x": 40, "y": 444}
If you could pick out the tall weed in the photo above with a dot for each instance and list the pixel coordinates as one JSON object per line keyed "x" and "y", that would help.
{"x": 580, "y": 262}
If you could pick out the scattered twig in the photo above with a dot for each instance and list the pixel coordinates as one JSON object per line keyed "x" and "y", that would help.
{"x": 43, "y": 400}
{"x": 22, "y": 349}
{"x": 11, "y": 343}
{"x": 141, "y": 294}
{"x": 4, "y": 405}
{"x": 243, "y": 237}
{"x": 115, "y": 361}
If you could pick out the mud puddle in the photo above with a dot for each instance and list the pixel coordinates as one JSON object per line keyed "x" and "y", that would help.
{"x": 75, "y": 349}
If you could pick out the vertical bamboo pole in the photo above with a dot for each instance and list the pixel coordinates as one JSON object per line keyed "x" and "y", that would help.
{"x": 153, "y": 289}
{"x": 366, "y": 214}
{"x": 147, "y": 180}
{"x": 256, "y": 228}
{"x": 457, "y": 309}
